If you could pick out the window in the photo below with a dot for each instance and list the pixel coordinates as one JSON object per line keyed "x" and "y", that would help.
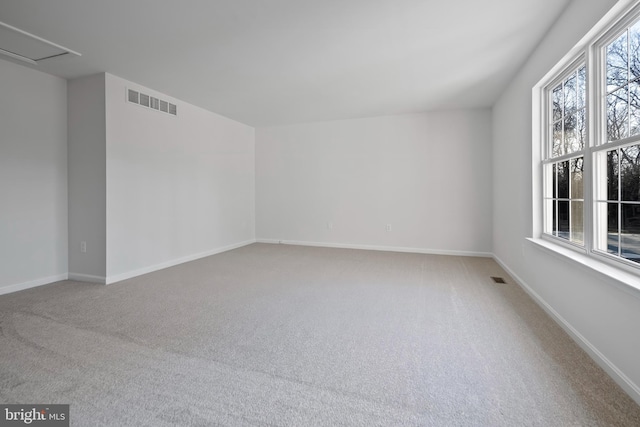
{"x": 564, "y": 163}
{"x": 590, "y": 157}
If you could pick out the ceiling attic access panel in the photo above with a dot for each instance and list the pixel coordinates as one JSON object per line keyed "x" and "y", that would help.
{"x": 26, "y": 47}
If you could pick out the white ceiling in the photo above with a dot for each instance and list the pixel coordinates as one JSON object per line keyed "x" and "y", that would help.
{"x": 268, "y": 62}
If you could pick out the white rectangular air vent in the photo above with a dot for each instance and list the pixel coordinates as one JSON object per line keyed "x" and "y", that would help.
{"x": 133, "y": 96}
{"x": 152, "y": 102}
{"x": 27, "y": 47}
{"x": 144, "y": 100}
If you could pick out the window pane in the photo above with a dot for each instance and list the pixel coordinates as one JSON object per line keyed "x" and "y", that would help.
{"x": 563, "y": 180}
{"x": 581, "y": 129}
{"x": 570, "y": 100}
{"x": 557, "y": 103}
{"x": 577, "y": 230}
{"x": 570, "y": 135}
{"x": 630, "y": 232}
{"x": 630, "y": 173}
{"x": 582, "y": 87}
{"x": 549, "y": 216}
{"x": 576, "y": 166}
{"x": 617, "y": 62}
{"x": 634, "y": 108}
{"x": 617, "y": 115}
{"x": 634, "y": 54}
{"x": 612, "y": 228}
{"x": 557, "y": 140}
{"x": 563, "y": 219}
{"x": 548, "y": 181}
{"x": 554, "y": 218}
{"x": 612, "y": 175}
{"x": 606, "y": 238}
{"x": 554, "y": 175}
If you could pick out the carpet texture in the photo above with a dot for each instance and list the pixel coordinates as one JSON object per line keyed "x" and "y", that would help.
{"x": 301, "y": 336}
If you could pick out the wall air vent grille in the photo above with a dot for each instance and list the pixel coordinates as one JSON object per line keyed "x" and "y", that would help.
{"x": 152, "y": 102}
{"x": 144, "y": 100}
{"x": 133, "y": 96}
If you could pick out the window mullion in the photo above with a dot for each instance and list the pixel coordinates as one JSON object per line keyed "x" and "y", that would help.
{"x": 628, "y": 87}
{"x": 563, "y": 117}
{"x": 594, "y": 118}
{"x": 554, "y": 199}
{"x": 570, "y": 178}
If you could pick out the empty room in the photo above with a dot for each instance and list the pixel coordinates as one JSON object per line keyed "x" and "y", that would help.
{"x": 320, "y": 213}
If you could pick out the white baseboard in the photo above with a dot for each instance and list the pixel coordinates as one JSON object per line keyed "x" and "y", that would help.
{"x": 173, "y": 262}
{"x": 32, "y": 283}
{"x": 377, "y": 248}
{"x": 614, "y": 372}
{"x": 87, "y": 278}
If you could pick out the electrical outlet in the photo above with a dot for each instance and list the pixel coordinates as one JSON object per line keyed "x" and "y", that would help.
{"x": 330, "y": 225}
{"x": 83, "y": 247}
{"x": 388, "y": 227}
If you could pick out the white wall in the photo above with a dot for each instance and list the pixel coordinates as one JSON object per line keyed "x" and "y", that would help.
{"x": 177, "y": 187}
{"x": 602, "y": 315}
{"x": 33, "y": 178}
{"x": 87, "y": 178}
{"x": 428, "y": 175}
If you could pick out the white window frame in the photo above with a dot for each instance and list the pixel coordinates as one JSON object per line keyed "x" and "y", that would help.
{"x": 547, "y": 137}
{"x": 590, "y": 51}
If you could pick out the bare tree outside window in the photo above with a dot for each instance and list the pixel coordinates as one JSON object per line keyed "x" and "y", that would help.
{"x": 623, "y": 164}
{"x": 569, "y": 114}
{"x": 565, "y": 195}
{"x": 623, "y": 194}
{"x": 591, "y": 188}
{"x": 623, "y": 86}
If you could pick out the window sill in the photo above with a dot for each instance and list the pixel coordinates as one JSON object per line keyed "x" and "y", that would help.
{"x": 624, "y": 280}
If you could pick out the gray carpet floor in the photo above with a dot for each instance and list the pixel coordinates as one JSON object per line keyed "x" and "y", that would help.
{"x": 301, "y": 336}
